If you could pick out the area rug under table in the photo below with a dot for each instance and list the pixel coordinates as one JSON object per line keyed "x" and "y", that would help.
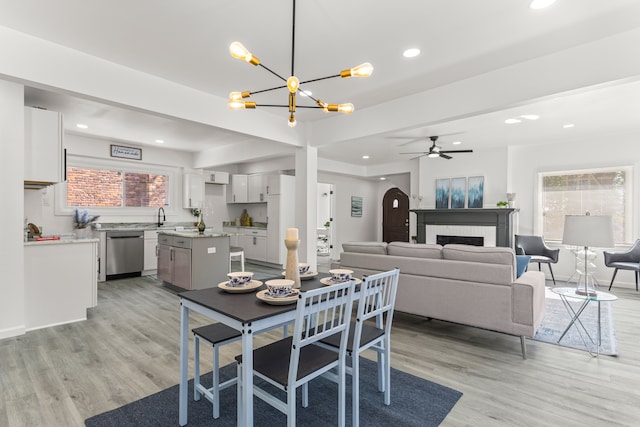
{"x": 414, "y": 402}
{"x": 556, "y": 319}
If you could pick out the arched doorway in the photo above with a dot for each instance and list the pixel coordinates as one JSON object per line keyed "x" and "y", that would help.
{"x": 395, "y": 216}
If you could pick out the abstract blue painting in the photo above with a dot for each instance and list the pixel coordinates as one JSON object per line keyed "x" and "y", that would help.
{"x": 475, "y": 192}
{"x": 458, "y": 190}
{"x": 442, "y": 193}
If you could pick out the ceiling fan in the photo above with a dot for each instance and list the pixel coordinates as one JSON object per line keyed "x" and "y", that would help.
{"x": 437, "y": 151}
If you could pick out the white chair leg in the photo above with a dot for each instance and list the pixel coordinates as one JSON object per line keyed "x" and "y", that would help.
{"x": 196, "y": 369}
{"x": 387, "y": 372}
{"x": 381, "y": 365}
{"x": 216, "y": 382}
{"x": 355, "y": 389}
{"x": 305, "y": 395}
{"x": 291, "y": 408}
{"x": 240, "y": 414}
{"x": 242, "y": 260}
{"x": 341, "y": 394}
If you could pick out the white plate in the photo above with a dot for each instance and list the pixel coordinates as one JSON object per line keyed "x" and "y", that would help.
{"x": 308, "y": 275}
{"x": 328, "y": 281}
{"x": 262, "y": 295}
{"x": 254, "y": 284}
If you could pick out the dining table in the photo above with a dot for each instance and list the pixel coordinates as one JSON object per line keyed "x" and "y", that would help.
{"x": 244, "y": 312}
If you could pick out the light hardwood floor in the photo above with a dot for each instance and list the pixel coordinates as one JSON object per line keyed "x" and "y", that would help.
{"x": 128, "y": 349}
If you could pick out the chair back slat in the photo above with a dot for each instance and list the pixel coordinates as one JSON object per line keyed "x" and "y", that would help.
{"x": 377, "y": 300}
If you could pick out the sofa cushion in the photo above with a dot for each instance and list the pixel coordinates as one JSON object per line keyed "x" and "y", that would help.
{"x": 365, "y": 247}
{"x": 522, "y": 261}
{"x": 497, "y": 255}
{"x": 414, "y": 250}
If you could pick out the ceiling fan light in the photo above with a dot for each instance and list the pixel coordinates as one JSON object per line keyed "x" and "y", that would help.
{"x": 433, "y": 155}
{"x": 362, "y": 70}
{"x": 238, "y": 51}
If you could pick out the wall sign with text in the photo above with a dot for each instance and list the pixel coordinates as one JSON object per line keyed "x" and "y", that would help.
{"x": 126, "y": 152}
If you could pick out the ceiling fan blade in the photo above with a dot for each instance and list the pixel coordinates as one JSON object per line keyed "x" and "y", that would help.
{"x": 417, "y": 157}
{"x": 457, "y": 151}
{"x": 410, "y": 141}
{"x": 444, "y": 156}
{"x": 417, "y": 152}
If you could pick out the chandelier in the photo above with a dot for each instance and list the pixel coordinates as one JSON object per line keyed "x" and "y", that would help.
{"x": 236, "y": 99}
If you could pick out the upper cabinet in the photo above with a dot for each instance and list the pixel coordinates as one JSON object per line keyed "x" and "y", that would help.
{"x": 215, "y": 177}
{"x": 256, "y": 188}
{"x": 237, "y": 192}
{"x": 193, "y": 192}
{"x": 44, "y": 157}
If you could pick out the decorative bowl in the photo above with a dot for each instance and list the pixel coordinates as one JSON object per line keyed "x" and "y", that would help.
{"x": 340, "y": 275}
{"x": 303, "y": 267}
{"x": 239, "y": 278}
{"x": 279, "y": 287}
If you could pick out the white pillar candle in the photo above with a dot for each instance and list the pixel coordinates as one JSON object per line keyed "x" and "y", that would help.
{"x": 292, "y": 234}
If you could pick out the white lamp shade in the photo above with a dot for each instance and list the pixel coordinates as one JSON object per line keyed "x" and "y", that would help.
{"x": 588, "y": 231}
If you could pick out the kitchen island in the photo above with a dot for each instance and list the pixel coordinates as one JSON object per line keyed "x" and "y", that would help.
{"x": 61, "y": 281}
{"x": 190, "y": 260}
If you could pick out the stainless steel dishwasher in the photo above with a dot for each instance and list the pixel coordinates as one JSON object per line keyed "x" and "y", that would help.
{"x": 125, "y": 253}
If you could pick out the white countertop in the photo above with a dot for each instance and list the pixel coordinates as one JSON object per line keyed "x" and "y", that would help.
{"x": 60, "y": 242}
{"x": 193, "y": 234}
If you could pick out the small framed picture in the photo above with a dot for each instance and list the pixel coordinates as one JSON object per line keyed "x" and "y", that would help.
{"x": 442, "y": 193}
{"x": 356, "y": 206}
{"x": 131, "y": 153}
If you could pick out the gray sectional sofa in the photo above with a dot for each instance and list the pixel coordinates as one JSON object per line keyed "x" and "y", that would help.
{"x": 470, "y": 285}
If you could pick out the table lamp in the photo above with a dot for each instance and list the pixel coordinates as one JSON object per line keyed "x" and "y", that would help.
{"x": 587, "y": 231}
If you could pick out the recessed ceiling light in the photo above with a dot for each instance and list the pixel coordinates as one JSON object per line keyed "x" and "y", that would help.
{"x": 568, "y": 125}
{"x": 512, "y": 121}
{"x": 365, "y": 157}
{"x": 457, "y": 142}
{"x": 530, "y": 116}
{"x": 411, "y": 53}
{"x": 159, "y": 141}
{"x": 82, "y": 126}
{"x": 541, "y": 4}
{"x": 382, "y": 178}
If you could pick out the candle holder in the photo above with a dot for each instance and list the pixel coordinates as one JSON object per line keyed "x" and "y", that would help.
{"x": 292, "y": 272}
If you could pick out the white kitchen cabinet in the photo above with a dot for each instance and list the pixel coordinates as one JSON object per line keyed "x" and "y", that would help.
{"x": 233, "y": 234}
{"x": 150, "y": 251}
{"x": 273, "y": 184}
{"x": 193, "y": 191}
{"x": 237, "y": 191}
{"x": 254, "y": 244}
{"x": 61, "y": 281}
{"x": 216, "y": 177}
{"x": 280, "y": 216}
{"x": 257, "y": 188}
{"x": 44, "y": 157}
{"x": 182, "y": 267}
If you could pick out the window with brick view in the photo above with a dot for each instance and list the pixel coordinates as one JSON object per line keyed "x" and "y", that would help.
{"x": 114, "y": 188}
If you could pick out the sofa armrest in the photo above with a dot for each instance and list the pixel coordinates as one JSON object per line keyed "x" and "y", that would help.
{"x": 528, "y": 296}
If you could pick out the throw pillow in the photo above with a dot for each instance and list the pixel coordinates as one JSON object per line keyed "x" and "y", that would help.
{"x": 522, "y": 261}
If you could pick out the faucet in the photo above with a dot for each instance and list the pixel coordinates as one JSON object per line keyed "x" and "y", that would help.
{"x": 164, "y": 218}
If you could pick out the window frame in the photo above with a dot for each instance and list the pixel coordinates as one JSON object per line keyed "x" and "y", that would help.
{"x": 629, "y": 197}
{"x": 61, "y": 207}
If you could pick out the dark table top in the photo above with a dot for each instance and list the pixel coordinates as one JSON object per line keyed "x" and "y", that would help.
{"x": 245, "y": 307}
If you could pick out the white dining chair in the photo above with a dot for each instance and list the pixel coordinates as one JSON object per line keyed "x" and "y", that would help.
{"x": 376, "y": 302}
{"x": 214, "y": 335}
{"x": 234, "y": 252}
{"x": 294, "y": 361}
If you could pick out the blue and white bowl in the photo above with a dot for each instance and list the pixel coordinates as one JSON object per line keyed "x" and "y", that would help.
{"x": 239, "y": 278}
{"x": 303, "y": 268}
{"x": 340, "y": 275}
{"x": 279, "y": 288}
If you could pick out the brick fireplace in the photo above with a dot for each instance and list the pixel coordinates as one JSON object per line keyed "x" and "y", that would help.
{"x": 495, "y": 226}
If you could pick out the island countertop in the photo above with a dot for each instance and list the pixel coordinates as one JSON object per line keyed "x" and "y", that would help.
{"x": 193, "y": 234}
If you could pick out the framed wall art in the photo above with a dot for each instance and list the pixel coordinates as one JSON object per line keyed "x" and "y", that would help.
{"x": 442, "y": 193}
{"x": 475, "y": 192}
{"x": 356, "y": 206}
{"x": 458, "y": 192}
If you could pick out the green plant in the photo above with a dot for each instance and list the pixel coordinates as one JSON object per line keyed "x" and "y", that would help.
{"x": 502, "y": 203}
{"x": 327, "y": 224}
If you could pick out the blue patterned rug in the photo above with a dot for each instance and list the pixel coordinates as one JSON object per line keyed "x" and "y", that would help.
{"x": 556, "y": 319}
{"x": 414, "y": 403}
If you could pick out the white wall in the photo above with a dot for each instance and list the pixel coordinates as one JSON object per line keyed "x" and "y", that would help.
{"x": 12, "y": 310}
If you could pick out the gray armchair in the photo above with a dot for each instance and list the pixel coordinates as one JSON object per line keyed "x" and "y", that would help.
{"x": 628, "y": 260}
{"x": 539, "y": 252}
